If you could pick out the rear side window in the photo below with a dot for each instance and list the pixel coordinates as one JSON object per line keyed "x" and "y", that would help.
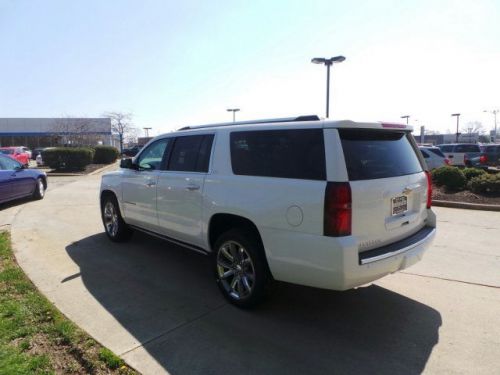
{"x": 191, "y": 153}
{"x": 424, "y": 154}
{"x": 436, "y": 151}
{"x": 372, "y": 154}
{"x": 293, "y": 153}
{"x": 467, "y": 148}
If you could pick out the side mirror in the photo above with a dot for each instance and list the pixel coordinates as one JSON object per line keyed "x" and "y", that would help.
{"x": 127, "y": 164}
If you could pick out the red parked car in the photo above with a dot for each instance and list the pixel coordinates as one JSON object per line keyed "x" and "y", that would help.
{"x": 16, "y": 153}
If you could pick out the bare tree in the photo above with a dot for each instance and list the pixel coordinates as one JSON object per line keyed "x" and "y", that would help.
{"x": 121, "y": 124}
{"x": 75, "y": 131}
{"x": 132, "y": 135}
{"x": 473, "y": 127}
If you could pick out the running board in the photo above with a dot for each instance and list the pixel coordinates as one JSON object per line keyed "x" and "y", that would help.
{"x": 171, "y": 240}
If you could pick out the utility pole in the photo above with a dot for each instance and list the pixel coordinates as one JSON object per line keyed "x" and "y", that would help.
{"x": 494, "y": 112}
{"x": 457, "y": 115}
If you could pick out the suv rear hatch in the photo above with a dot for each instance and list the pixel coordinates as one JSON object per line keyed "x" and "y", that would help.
{"x": 388, "y": 185}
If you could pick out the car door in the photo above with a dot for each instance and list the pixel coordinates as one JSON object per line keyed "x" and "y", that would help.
{"x": 6, "y": 190}
{"x": 180, "y": 188}
{"x": 139, "y": 186}
{"x": 15, "y": 181}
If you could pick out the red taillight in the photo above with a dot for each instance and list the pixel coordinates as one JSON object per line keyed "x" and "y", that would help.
{"x": 483, "y": 159}
{"x": 338, "y": 209}
{"x": 465, "y": 159}
{"x": 447, "y": 161}
{"x": 429, "y": 189}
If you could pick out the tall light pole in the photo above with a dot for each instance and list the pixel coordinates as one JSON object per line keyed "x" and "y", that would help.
{"x": 234, "y": 110}
{"x": 328, "y": 62}
{"x": 457, "y": 115}
{"x": 495, "y": 111}
{"x": 146, "y": 131}
{"x": 406, "y": 117}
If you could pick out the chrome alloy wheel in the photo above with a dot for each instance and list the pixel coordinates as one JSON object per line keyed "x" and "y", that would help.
{"x": 235, "y": 270}
{"x": 111, "y": 219}
{"x": 41, "y": 188}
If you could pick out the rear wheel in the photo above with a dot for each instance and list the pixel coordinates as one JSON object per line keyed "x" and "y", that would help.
{"x": 116, "y": 229}
{"x": 39, "y": 191}
{"x": 240, "y": 268}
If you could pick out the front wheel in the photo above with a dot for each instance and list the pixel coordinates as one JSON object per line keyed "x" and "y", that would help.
{"x": 240, "y": 268}
{"x": 39, "y": 191}
{"x": 116, "y": 228}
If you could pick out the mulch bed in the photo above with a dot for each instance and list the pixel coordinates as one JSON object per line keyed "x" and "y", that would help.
{"x": 440, "y": 193}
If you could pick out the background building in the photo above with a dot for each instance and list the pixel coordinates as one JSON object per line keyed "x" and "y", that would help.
{"x": 46, "y": 132}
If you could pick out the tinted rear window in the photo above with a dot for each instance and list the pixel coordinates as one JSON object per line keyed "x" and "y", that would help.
{"x": 467, "y": 148}
{"x": 290, "y": 153}
{"x": 436, "y": 151}
{"x": 372, "y": 154}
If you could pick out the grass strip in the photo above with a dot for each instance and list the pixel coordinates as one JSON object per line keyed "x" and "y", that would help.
{"x": 35, "y": 338}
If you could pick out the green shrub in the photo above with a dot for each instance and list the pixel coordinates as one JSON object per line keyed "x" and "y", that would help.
{"x": 450, "y": 177}
{"x": 486, "y": 183}
{"x": 470, "y": 173}
{"x": 105, "y": 154}
{"x": 68, "y": 159}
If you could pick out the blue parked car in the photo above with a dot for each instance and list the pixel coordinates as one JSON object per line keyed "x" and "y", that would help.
{"x": 18, "y": 182}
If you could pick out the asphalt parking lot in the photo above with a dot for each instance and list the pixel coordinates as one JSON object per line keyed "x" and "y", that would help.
{"x": 156, "y": 304}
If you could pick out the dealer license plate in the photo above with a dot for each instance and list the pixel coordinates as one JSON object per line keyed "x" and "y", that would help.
{"x": 399, "y": 205}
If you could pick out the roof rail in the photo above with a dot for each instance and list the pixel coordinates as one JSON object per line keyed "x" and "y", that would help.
{"x": 249, "y": 122}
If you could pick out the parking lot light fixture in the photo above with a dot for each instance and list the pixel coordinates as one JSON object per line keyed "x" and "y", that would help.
{"x": 494, "y": 112}
{"x": 406, "y": 117}
{"x": 457, "y": 115}
{"x": 234, "y": 110}
{"x": 328, "y": 62}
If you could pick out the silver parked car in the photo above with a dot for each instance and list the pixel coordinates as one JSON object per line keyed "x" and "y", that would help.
{"x": 434, "y": 157}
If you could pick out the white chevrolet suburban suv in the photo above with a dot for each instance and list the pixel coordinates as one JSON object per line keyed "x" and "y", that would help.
{"x": 327, "y": 204}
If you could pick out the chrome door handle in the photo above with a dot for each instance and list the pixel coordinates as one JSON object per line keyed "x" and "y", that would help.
{"x": 192, "y": 187}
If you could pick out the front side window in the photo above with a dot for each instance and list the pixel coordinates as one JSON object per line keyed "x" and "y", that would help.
{"x": 292, "y": 153}
{"x": 446, "y": 148}
{"x": 152, "y": 156}
{"x": 467, "y": 148}
{"x": 7, "y": 164}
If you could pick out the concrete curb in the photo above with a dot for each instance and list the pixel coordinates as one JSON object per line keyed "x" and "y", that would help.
{"x": 468, "y": 206}
{"x": 82, "y": 174}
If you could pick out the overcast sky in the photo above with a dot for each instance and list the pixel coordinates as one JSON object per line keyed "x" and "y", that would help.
{"x": 175, "y": 63}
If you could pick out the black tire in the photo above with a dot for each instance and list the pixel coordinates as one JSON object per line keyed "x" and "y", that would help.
{"x": 39, "y": 191}
{"x": 239, "y": 288}
{"x": 116, "y": 229}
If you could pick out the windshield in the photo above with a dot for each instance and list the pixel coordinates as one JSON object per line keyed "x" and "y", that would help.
{"x": 6, "y": 151}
